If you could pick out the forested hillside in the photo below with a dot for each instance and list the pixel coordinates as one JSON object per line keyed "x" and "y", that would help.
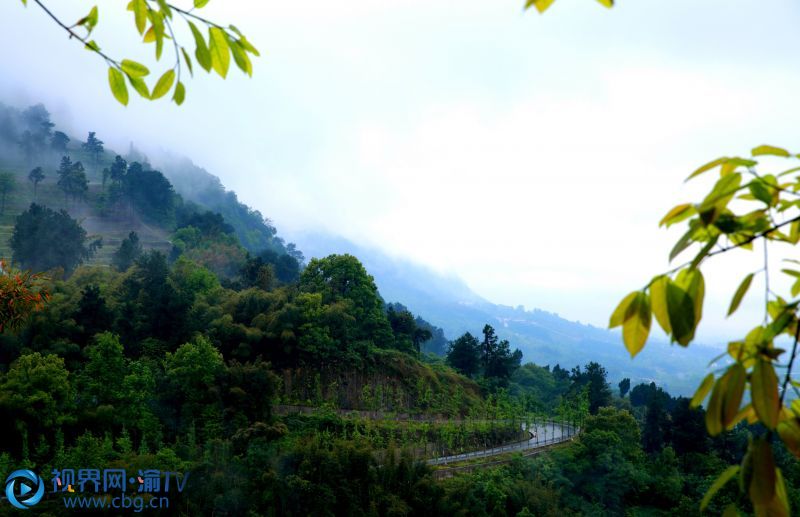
{"x": 114, "y": 192}
{"x": 177, "y": 332}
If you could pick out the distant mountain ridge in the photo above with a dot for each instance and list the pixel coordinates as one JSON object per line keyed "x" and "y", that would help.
{"x": 544, "y": 338}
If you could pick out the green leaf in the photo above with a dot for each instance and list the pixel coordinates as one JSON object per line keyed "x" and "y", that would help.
{"x": 180, "y": 94}
{"x": 117, "y": 82}
{"x": 789, "y": 431}
{"x": 165, "y": 8}
{"x": 140, "y": 86}
{"x": 163, "y": 85}
{"x": 159, "y": 46}
{"x": 157, "y": 20}
{"x": 762, "y": 482}
{"x": 607, "y": 3}
{"x": 720, "y": 482}
{"x": 794, "y": 233}
{"x": 92, "y": 45}
{"x": 681, "y": 314}
{"x": 201, "y": 50}
{"x": 761, "y": 192}
{"x": 220, "y": 52}
{"x": 780, "y": 323}
{"x": 714, "y": 408}
{"x": 658, "y": 300}
{"x": 681, "y": 245}
{"x": 723, "y": 191}
{"x": 198, "y": 4}
{"x": 743, "y": 413}
{"x": 739, "y": 294}
{"x": 707, "y": 167}
{"x": 770, "y": 150}
{"x": 737, "y": 377}
{"x": 188, "y": 61}
{"x": 140, "y": 14}
{"x": 677, "y": 214}
{"x": 636, "y": 327}
{"x": 780, "y": 505}
{"x": 134, "y": 69}
{"x": 247, "y": 46}
{"x": 240, "y": 57}
{"x": 726, "y": 397}
{"x": 618, "y": 317}
{"x": 736, "y": 162}
{"x": 540, "y": 5}
{"x": 691, "y": 281}
{"x": 91, "y": 19}
{"x": 702, "y": 391}
{"x": 764, "y": 392}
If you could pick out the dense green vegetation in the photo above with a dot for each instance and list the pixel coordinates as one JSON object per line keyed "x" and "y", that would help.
{"x": 292, "y": 388}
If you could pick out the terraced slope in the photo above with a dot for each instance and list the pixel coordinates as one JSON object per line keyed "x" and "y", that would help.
{"x": 112, "y": 228}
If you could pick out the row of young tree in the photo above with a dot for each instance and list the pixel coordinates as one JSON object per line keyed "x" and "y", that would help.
{"x": 607, "y": 470}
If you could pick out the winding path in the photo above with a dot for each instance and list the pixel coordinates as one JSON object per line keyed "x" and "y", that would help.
{"x": 542, "y": 435}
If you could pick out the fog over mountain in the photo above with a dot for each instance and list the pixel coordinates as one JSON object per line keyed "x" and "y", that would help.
{"x": 544, "y": 337}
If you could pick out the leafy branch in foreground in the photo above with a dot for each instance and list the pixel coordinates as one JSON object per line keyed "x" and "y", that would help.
{"x": 543, "y": 5}
{"x": 743, "y": 207}
{"x": 155, "y": 23}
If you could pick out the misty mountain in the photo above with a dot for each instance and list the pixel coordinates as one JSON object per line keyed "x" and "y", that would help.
{"x": 444, "y": 301}
{"x": 543, "y": 337}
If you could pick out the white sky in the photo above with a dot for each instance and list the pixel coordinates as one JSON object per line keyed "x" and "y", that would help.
{"x": 531, "y": 155}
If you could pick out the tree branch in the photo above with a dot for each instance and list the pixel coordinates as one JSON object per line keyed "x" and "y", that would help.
{"x": 189, "y": 13}
{"x": 766, "y": 283}
{"x": 738, "y": 245}
{"x": 791, "y": 362}
{"x": 73, "y": 34}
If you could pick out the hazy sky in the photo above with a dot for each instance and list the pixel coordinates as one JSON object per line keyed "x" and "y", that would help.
{"x": 531, "y": 155}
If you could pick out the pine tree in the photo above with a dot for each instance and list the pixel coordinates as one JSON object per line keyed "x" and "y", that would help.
{"x": 72, "y": 179}
{"x": 94, "y": 148}
{"x": 58, "y": 142}
{"x": 36, "y": 176}
{"x": 129, "y": 250}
